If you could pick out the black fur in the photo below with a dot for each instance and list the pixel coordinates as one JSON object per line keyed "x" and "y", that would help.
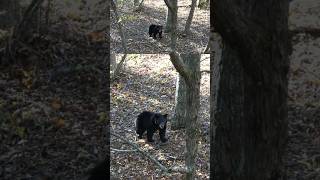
{"x": 151, "y": 122}
{"x": 155, "y": 30}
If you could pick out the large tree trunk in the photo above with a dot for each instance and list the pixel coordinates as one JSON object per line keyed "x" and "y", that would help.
{"x": 9, "y": 13}
{"x": 251, "y": 108}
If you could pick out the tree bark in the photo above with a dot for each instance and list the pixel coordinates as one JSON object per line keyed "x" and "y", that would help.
{"x": 123, "y": 37}
{"x": 189, "y": 69}
{"x": 193, "y": 104}
{"x": 172, "y": 22}
{"x": 251, "y": 108}
{"x": 113, "y": 62}
{"x": 190, "y": 17}
{"x": 9, "y": 13}
{"x": 178, "y": 120}
{"x": 168, "y": 21}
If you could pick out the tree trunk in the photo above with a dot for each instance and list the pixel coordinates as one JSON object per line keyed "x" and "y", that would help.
{"x": 190, "y": 17}
{"x": 113, "y": 62}
{"x": 251, "y": 107}
{"x": 9, "y": 13}
{"x": 171, "y": 24}
{"x": 178, "y": 120}
{"x": 190, "y": 71}
{"x": 123, "y": 37}
{"x": 193, "y": 104}
{"x": 168, "y": 21}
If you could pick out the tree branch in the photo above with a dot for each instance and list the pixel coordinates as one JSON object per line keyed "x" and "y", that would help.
{"x": 123, "y": 150}
{"x": 162, "y": 167}
{"x": 180, "y": 67}
{"x": 169, "y": 5}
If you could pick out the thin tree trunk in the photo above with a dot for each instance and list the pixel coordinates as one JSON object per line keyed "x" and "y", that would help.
{"x": 190, "y": 71}
{"x": 251, "y": 107}
{"x": 173, "y": 8}
{"x": 190, "y": 17}
{"x": 193, "y": 104}
{"x": 168, "y": 21}
{"x": 123, "y": 37}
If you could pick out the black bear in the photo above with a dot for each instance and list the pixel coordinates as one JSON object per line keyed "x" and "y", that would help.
{"x": 151, "y": 122}
{"x": 155, "y": 30}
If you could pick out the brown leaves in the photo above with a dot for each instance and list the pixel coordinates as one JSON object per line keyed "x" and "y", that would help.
{"x": 96, "y": 36}
{"x": 28, "y": 78}
{"x": 59, "y": 123}
{"x": 56, "y": 103}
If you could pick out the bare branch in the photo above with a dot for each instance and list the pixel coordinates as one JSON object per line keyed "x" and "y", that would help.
{"x": 169, "y": 5}
{"x": 123, "y": 150}
{"x": 180, "y": 66}
{"x": 162, "y": 167}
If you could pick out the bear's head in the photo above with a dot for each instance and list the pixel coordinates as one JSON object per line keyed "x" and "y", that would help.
{"x": 160, "y": 120}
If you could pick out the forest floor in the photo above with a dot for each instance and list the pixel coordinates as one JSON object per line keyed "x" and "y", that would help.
{"x": 51, "y": 111}
{"x": 136, "y": 27}
{"x": 148, "y": 83}
{"x": 303, "y": 160}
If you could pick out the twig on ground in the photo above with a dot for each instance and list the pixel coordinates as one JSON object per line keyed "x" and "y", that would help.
{"x": 123, "y": 150}
{"x": 162, "y": 167}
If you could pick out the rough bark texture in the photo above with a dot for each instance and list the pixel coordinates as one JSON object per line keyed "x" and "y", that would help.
{"x": 251, "y": 112}
{"x": 193, "y": 103}
{"x": 120, "y": 25}
{"x": 172, "y": 22}
{"x": 9, "y": 13}
{"x": 190, "y": 71}
{"x": 113, "y": 62}
{"x": 178, "y": 120}
{"x": 215, "y": 61}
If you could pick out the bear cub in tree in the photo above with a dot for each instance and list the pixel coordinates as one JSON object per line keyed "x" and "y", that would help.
{"x": 155, "y": 30}
{"x": 151, "y": 122}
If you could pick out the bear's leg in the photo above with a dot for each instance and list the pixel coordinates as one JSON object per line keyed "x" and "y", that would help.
{"x": 151, "y": 30}
{"x": 160, "y": 34}
{"x": 140, "y": 133}
{"x": 150, "y": 135}
{"x": 162, "y": 134}
{"x": 154, "y": 35}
